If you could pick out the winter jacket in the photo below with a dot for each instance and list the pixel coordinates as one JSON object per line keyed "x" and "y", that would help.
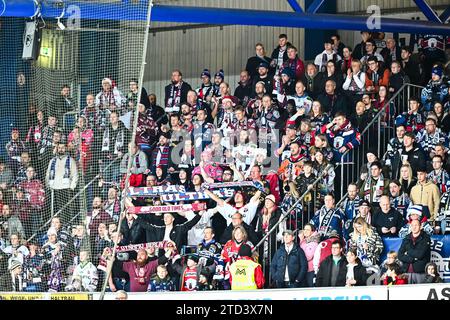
{"x": 415, "y": 157}
{"x": 344, "y": 136}
{"x": 333, "y": 103}
{"x": 383, "y": 78}
{"x": 414, "y": 122}
{"x": 312, "y": 84}
{"x": 335, "y": 223}
{"x": 161, "y": 285}
{"x": 417, "y": 253}
{"x": 309, "y": 246}
{"x": 178, "y": 234}
{"x": 295, "y": 261}
{"x": 274, "y": 236}
{"x": 435, "y": 91}
{"x": 185, "y": 88}
{"x": 387, "y": 56}
{"x": 243, "y": 93}
{"x": 296, "y": 65}
{"x": 134, "y": 234}
{"x": 426, "y": 195}
{"x": 323, "y": 278}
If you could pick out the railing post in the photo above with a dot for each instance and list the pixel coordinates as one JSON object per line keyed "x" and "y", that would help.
{"x": 52, "y": 203}
{"x": 379, "y": 137}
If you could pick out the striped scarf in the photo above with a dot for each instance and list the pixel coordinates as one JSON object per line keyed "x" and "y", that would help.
{"x": 66, "y": 169}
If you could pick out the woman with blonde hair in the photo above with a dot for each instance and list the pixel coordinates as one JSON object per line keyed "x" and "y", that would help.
{"x": 366, "y": 242}
{"x": 231, "y": 248}
{"x": 407, "y": 178}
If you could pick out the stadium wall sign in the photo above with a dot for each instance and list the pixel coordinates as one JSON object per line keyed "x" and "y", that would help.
{"x": 438, "y": 291}
{"x": 355, "y": 293}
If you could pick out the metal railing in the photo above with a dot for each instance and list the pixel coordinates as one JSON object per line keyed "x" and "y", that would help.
{"x": 272, "y": 232}
{"x": 376, "y": 135}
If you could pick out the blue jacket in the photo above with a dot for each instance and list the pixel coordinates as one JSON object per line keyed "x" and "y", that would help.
{"x": 345, "y": 136}
{"x": 337, "y": 221}
{"x": 433, "y": 92}
{"x": 296, "y": 263}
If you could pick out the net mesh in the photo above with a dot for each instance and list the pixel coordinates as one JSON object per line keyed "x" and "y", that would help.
{"x": 64, "y": 164}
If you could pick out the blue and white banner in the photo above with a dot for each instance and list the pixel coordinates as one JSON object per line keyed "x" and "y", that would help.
{"x": 440, "y": 252}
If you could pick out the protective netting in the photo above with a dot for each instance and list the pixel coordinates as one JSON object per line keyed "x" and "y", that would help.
{"x": 65, "y": 162}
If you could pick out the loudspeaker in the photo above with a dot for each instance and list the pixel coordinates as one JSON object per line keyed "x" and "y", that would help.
{"x": 31, "y": 41}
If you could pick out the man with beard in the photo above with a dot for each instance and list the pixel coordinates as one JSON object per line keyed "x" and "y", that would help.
{"x": 62, "y": 179}
{"x": 219, "y": 78}
{"x": 351, "y": 203}
{"x": 430, "y": 136}
{"x": 291, "y": 167}
{"x": 176, "y": 92}
{"x": 254, "y": 104}
{"x": 264, "y": 77}
{"x": 97, "y": 216}
{"x": 244, "y": 90}
{"x": 141, "y": 269}
{"x": 399, "y": 200}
